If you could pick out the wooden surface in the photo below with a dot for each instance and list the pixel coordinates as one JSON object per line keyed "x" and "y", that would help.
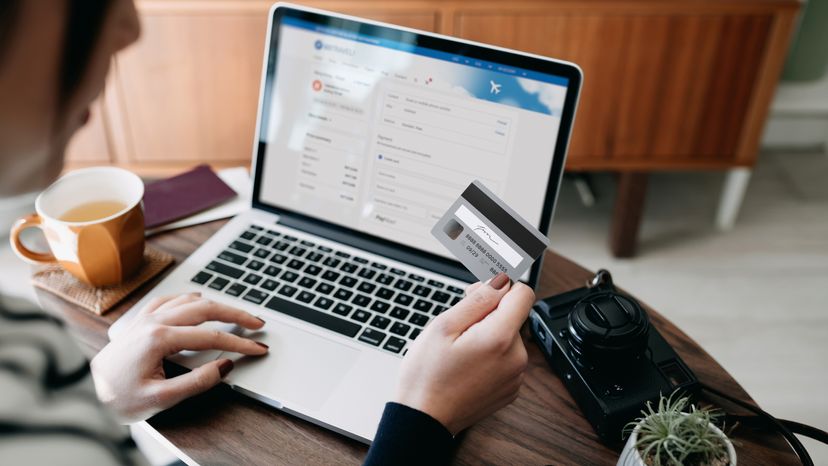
{"x": 626, "y": 216}
{"x": 542, "y": 427}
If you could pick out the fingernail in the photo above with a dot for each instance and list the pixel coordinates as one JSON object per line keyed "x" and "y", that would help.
{"x": 261, "y": 344}
{"x": 499, "y": 281}
{"x": 260, "y": 319}
{"x": 225, "y": 367}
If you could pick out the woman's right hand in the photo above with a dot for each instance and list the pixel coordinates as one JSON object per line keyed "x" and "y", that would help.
{"x": 469, "y": 362}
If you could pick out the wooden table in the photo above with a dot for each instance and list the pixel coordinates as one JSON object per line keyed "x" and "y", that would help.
{"x": 544, "y": 426}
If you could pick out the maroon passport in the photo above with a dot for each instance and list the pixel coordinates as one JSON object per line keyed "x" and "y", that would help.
{"x": 183, "y": 195}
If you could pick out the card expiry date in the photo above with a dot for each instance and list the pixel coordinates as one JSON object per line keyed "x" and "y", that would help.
{"x": 488, "y": 236}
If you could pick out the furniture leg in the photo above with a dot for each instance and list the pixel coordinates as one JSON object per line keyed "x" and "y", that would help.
{"x": 626, "y": 215}
{"x": 733, "y": 193}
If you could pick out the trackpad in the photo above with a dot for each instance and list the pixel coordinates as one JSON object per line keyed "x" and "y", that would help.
{"x": 301, "y": 369}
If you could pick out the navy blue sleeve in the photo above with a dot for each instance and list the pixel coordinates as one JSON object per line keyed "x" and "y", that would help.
{"x": 406, "y": 436}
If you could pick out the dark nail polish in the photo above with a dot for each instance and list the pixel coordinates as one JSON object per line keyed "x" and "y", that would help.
{"x": 225, "y": 367}
{"x": 262, "y": 345}
{"x": 260, "y": 320}
{"x": 499, "y": 281}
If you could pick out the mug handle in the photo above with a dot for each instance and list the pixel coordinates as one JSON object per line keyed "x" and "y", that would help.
{"x": 29, "y": 221}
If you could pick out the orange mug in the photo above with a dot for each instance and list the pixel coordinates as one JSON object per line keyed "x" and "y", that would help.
{"x": 93, "y": 220}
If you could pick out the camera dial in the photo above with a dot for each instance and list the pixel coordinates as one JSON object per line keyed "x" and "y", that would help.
{"x": 607, "y": 328}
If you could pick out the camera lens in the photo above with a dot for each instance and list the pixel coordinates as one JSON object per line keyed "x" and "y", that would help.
{"x": 606, "y": 328}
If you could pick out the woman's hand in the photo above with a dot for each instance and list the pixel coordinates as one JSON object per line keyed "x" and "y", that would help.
{"x": 470, "y": 361}
{"x": 128, "y": 372}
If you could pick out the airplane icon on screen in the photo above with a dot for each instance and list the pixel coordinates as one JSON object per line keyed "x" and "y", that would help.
{"x": 495, "y": 88}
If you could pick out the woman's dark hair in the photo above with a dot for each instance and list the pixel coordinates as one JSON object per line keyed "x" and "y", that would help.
{"x": 84, "y": 20}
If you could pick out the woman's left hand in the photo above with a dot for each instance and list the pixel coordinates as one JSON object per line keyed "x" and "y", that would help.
{"x": 129, "y": 374}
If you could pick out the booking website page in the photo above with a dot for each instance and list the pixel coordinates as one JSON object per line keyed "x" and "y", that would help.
{"x": 382, "y": 137}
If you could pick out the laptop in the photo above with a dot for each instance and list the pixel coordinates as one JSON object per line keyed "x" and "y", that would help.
{"x": 366, "y": 134}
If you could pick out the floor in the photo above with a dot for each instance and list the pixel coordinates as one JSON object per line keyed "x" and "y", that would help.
{"x": 754, "y": 297}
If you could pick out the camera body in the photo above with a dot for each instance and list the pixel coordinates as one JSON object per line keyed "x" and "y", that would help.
{"x": 612, "y": 361}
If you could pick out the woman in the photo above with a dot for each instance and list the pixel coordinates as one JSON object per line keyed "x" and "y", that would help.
{"x": 54, "y": 57}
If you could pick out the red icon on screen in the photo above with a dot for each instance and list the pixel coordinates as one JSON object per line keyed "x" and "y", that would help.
{"x": 317, "y": 85}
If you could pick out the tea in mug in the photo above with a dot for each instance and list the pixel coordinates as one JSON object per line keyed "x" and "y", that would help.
{"x": 92, "y": 211}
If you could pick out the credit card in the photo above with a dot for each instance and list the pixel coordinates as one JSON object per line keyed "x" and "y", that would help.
{"x": 488, "y": 236}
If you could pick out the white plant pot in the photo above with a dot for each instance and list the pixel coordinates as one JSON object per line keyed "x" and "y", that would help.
{"x": 631, "y": 457}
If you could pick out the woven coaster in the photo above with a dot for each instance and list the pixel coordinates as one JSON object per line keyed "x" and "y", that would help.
{"x": 55, "y": 280}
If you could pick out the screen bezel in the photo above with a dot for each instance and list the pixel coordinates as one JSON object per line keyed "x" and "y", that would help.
{"x": 373, "y": 243}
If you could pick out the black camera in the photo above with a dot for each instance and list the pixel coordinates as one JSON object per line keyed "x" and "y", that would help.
{"x": 601, "y": 344}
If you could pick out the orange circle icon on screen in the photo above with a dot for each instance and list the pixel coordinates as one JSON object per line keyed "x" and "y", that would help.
{"x": 317, "y": 85}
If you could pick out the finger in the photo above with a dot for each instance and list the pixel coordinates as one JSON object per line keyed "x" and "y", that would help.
{"x": 474, "y": 286}
{"x": 173, "y": 391}
{"x": 179, "y": 300}
{"x": 200, "y": 339}
{"x": 476, "y": 305}
{"x": 157, "y": 302}
{"x": 203, "y": 310}
{"x": 512, "y": 311}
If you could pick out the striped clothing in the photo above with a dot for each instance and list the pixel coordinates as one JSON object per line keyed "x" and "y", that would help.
{"x": 49, "y": 413}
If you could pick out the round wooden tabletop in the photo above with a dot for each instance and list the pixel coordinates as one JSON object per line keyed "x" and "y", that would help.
{"x": 544, "y": 426}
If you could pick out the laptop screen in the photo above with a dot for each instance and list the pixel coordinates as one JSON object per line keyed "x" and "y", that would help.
{"x": 371, "y": 129}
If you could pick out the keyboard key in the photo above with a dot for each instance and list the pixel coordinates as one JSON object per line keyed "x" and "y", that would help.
{"x": 255, "y": 265}
{"x": 399, "y": 313}
{"x": 241, "y": 246}
{"x": 366, "y": 287}
{"x": 400, "y": 329}
{"x": 384, "y": 293}
{"x": 295, "y": 264}
{"x": 219, "y": 283}
{"x": 330, "y": 275}
{"x": 256, "y": 227}
{"x": 273, "y": 233}
{"x": 264, "y": 240}
{"x": 404, "y": 299}
{"x": 307, "y": 243}
{"x": 342, "y": 254}
{"x": 394, "y": 344}
{"x": 306, "y": 296}
{"x": 262, "y": 253}
{"x": 272, "y": 270}
{"x": 298, "y": 251}
{"x": 361, "y": 300}
{"x": 349, "y": 267}
{"x": 348, "y": 281}
{"x": 455, "y": 290}
{"x": 397, "y": 271}
{"x": 385, "y": 279}
{"x": 371, "y": 336}
{"x": 287, "y": 290}
{"x": 421, "y": 290}
{"x": 307, "y": 314}
{"x": 416, "y": 278}
{"x": 361, "y": 316}
{"x": 314, "y": 256}
{"x": 248, "y": 235}
{"x": 331, "y": 262}
{"x": 342, "y": 309}
{"x": 201, "y": 278}
{"x": 324, "y": 288}
{"x": 323, "y": 302}
{"x": 441, "y": 296}
{"x": 360, "y": 260}
{"x": 324, "y": 248}
{"x": 415, "y": 334}
{"x": 280, "y": 245}
{"x": 403, "y": 285}
{"x": 232, "y": 257}
{"x": 255, "y": 296}
{"x": 289, "y": 276}
{"x": 278, "y": 258}
{"x": 438, "y": 310}
{"x": 307, "y": 282}
{"x": 422, "y": 305}
{"x": 380, "y": 322}
{"x": 367, "y": 273}
{"x": 252, "y": 279}
{"x": 343, "y": 294}
{"x": 290, "y": 238}
{"x": 270, "y": 285}
{"x": 435, "y": 284}
{"x": 236, "y": 289}
{"x": 378, "y": 266}
{"x": 456, "y": 300}
{"x": 223, "y": 269}
{"x": 418, "y": 319}
{"x": 313, "y": 270}
{"x": 380, "y": 306}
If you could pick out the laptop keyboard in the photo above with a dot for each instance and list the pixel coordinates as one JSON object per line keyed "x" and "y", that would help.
{"x": 374, "y": 303}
